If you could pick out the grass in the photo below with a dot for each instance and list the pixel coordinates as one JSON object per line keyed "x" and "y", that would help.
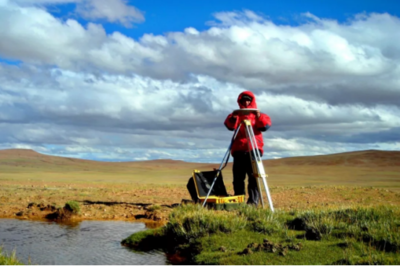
{"x": 358, "y": 235}
{"x": 154, "y": 208}
{"x": 73, "y": 206}
{"x": 6, "y": 259}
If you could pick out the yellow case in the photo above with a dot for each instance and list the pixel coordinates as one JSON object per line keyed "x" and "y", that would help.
{"x": 217, "y": 199}
{"x": 222, "y": 200}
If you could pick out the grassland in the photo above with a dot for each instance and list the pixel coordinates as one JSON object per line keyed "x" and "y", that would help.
{"x": 124, "y": 191}
{"x": 33, "y": 185}
{"x": 363, "y": 168}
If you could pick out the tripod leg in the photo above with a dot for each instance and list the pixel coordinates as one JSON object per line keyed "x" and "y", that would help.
{"x": 268, "y": 194}
{"x": 256, "y": 161}
{"x": 259, "y": 190}
{"x": 221, "y": 165}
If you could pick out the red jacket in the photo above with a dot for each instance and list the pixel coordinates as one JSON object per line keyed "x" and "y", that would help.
{"x": 259, "y": 124}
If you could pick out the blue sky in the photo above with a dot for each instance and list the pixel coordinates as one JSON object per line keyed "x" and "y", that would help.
{"x": 122, "y": 80}
{"x": 176, "y": 15}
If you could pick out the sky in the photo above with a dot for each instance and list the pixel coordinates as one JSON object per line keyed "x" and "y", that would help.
{"x": 117, "y": 80}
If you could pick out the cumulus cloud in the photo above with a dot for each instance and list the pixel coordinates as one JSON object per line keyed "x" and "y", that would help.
{"x": 43, "y": 2}
{"x": 79, "y": 90}
{"x": 81, "y": 110}
{"x": 252, "y": 53}
{"x": 111, "y": 10}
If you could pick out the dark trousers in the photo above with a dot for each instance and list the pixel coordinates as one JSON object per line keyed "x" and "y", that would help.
{"x": 241, "y": 167}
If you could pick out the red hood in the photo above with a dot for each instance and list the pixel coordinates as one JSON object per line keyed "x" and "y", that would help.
{"x": 253, "y": 103}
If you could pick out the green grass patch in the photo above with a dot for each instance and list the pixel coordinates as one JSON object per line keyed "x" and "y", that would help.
{"x": 145, "y": 240}
{"x": 369, "y": 235}
{"x": 8, "y": 259}
{"x": 153, "y": 208}
{"x": 73, "y": 206}
{"x": 377, "y": 226}
{"x": 193, "y": 221}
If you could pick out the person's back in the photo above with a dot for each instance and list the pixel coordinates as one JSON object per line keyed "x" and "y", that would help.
{"x": 240, "y": 149}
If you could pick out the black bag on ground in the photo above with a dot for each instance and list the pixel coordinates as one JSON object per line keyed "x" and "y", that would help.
{"x": 192, "y": 190}
{"x": 200, "y": 184}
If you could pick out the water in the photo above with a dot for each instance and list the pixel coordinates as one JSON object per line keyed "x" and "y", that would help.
{"x": 87, "y": 242}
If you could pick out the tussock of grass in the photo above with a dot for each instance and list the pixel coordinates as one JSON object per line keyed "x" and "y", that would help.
{"x": 377, "y": 226}
{"x": 367, "y": 235}
{"x": 145, "y": 240}
{"x": 154, "y": 208}
{"x": 73, "y": 206}
{"x": 6, "y": 259}
{"x": 263, "y": 221}
{"x": 193, "y": 221}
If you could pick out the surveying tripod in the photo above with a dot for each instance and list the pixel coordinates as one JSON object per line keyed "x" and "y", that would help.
{"x": 256, "y": 162}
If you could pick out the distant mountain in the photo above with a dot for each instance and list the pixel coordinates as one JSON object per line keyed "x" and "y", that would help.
{"x": 15, "y": 153}
{"x": 29, "y": 159}
{"x": 359, "y": 168}
{"x": 367, "y": 158}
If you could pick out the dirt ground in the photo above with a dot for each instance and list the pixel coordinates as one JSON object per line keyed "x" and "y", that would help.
{"x": 30, "y": 200}
{"x": 152, "y": 203}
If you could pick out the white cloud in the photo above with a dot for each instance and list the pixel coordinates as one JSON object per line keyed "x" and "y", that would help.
{"x": 253, "y": 53}
{"x": 328, "y": 87}
{"x": 111, "y": 10}
{"x": 43, "y": 2}
{"x": 80, "y": 111}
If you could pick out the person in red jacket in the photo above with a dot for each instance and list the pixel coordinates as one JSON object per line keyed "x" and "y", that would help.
{"x": 240, "y": 150}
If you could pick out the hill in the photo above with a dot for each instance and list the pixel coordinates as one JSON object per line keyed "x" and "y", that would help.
{"x": 21, "y": 164}
{"x": 367, "y": 158}
{"x": 359, "y": 168}
{"x": 32, "y": 160}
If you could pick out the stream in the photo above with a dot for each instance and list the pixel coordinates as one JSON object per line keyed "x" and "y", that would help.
{"x": 83, "y": 243}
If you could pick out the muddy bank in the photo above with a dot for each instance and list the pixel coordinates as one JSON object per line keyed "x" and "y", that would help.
{"x": 26, "y": 200}
{"x": 147, "y": 213}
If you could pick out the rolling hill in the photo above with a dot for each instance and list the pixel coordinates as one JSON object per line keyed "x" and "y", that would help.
{"x": 359, "y": 168}
{"x": 367, "y": 158}
{"x": 31, "y": 159}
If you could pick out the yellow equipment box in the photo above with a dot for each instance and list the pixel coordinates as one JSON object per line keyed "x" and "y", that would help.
{"x": 221, "y": 200}
{"x": 218, "y": 198}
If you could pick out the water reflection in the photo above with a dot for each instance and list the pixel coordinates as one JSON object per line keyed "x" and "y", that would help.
{"x": 87, "y": 242}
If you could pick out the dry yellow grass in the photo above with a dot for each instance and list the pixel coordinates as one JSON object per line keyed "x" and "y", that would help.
{"x": 124, "y": 190}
